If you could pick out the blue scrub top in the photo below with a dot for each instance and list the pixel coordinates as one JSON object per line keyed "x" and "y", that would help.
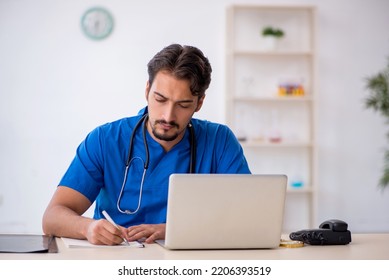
{"x": 97, "y": 171}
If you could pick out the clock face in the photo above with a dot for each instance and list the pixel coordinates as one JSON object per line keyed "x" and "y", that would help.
{"x": 97, "y": 23}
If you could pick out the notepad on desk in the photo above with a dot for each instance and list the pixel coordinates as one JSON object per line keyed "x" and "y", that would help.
{"x": 80, "y": 243}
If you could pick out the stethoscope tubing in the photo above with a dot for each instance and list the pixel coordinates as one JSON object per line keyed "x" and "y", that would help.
{"x": 129, "y": 160}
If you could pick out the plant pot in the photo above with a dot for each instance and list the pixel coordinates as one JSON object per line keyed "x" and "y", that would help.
{"x": 269, "y": 43}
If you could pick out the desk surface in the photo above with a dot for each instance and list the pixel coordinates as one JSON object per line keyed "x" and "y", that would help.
{"x": 362, "y": 247}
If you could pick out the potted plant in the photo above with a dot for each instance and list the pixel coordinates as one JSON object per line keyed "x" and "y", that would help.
{"x": 271, "y": 36}
{"x": 378, "y": 100}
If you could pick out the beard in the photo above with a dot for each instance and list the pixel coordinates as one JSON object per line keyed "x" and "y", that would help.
{"x": 163, "y": 135}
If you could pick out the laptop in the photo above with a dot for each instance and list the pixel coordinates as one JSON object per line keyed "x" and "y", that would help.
{"x": 224, "y": 211}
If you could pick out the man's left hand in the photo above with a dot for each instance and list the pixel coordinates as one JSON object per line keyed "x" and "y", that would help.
{"x": 149, "y": 232}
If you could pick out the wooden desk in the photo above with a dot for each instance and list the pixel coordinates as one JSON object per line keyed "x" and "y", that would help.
{"x": 362, "y": 247}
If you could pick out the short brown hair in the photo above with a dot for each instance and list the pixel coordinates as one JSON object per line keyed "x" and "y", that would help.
{"x": 183, "y": 62}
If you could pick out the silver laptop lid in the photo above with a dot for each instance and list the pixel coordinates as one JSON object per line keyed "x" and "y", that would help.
{"x": 222, "y": 211}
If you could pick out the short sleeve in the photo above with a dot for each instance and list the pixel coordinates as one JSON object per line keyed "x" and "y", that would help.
{"x": 85, "y": 173}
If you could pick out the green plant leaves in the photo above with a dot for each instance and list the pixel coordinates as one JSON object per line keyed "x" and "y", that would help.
{"x": 378, "y": 100}
{"x": 270, "y": 31}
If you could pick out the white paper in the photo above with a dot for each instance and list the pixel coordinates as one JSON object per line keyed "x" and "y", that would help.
{"x": 80, "y": 243}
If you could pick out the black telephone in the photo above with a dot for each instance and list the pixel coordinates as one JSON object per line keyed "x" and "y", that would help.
{"x": 331, "y": 232}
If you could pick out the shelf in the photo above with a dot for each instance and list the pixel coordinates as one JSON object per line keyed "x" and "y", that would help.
{"x": 251, "y": 99}
{"x": 271, "y": 53}
{"x": 267, "y": 144}
{"x": 300, "y": 190}
{"x": 257, "y": 113}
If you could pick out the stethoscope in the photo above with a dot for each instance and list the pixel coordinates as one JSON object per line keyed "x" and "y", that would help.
{"x": 130, "y": 159}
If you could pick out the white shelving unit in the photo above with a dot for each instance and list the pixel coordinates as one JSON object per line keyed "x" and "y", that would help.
{"x": 276, "y": 129}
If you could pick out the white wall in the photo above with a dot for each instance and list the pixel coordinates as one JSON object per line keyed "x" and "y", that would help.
{"x": 56, "y": 85}
{"x": 352, "y": 45}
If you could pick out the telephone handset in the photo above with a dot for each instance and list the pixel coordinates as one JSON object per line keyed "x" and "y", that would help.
{"x": 330, "y": 232}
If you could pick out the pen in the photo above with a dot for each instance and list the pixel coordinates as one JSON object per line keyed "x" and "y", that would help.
{"x": 109, "y": 219}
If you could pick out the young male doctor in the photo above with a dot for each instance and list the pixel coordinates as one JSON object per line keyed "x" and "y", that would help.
{"x": 124, "y": 166}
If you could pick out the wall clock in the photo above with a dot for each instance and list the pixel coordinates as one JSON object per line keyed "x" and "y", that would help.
{"x": 97, "y": 23}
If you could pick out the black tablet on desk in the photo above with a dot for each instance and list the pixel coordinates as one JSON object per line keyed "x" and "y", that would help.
{"x": 27, "y": 243}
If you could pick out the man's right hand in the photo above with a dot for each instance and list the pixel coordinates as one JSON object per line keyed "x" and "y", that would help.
{"x": 63, "y": 217}
{"x": 102, "y": 232}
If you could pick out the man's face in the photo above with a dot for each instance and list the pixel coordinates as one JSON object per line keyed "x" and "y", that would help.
{"x": 171, "y": 105}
